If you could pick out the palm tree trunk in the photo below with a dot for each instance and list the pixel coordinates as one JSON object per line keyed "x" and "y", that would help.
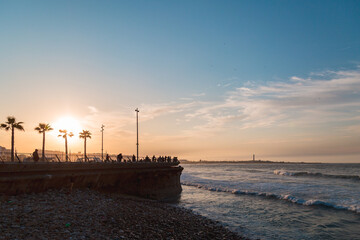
{"x": 43, "y": 148}
{"x": 85, "y": 149}
{"x": 12, "y": 143}
{"x": 66, "y": 153}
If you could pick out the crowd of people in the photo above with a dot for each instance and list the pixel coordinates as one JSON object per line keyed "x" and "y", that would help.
{"x": 147, "y": 159}
{"x": 121, "y": 159}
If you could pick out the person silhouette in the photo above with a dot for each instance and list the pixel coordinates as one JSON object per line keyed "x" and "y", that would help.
{"x": 36, "y": 155}
{"x": 107, "y": 158}
{"x": 119, "y": 157}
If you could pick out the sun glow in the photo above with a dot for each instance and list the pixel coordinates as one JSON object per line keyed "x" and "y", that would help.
{"x": 68, "y": 123}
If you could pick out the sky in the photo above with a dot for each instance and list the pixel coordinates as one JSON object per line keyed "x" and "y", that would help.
{"x": 213, "y": 80}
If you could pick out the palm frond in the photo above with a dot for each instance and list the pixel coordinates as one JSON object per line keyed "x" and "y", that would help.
{"x": 85, "y": 134}
{"x": 18, "y": 126}
{"x": 11, "y": 123}
{"x": 38, "y": 129}
{"x": 5, "y": 126}
{"x": 11, "y": 120}
{"x": 45, "y": 127}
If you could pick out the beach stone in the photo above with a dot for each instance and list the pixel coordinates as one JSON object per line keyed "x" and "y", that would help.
{"x": 88, "y": 214}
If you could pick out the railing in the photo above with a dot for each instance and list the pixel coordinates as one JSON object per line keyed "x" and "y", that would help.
{"x": 54, "y": 157}
{"x": 73, "y": 157}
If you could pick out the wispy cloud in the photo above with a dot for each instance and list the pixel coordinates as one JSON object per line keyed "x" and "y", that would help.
{"x": 298, "y": 101}
{"x": 151, "y": 111}
{"x": 228, "y": 82}
{"x": 199, "y": 94}
{"x": 114, "y": 121}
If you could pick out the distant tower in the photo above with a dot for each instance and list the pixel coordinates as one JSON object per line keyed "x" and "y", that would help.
{"x": 253, "y": 157}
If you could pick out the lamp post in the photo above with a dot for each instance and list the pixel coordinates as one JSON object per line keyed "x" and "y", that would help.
{"x": 137, "y": 134}
{"x": 102, "y": 142}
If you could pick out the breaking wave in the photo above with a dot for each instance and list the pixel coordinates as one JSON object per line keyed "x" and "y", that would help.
{"x": 316, "y": 174}
{"x": 312, "y": 202}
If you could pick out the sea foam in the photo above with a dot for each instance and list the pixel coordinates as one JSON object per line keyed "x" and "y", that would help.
{"x": 310, "y": 202}
{"x": 315, "y": 174}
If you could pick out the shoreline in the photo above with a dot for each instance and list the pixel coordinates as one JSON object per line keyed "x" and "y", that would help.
{"x": 90, "y": 214}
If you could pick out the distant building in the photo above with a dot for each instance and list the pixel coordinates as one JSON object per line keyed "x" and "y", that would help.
{"x": 4, "y": 154}
{"x": 183, "y": 160}
{"x": 253, "y": 157}
{"x": 3, "y": 150}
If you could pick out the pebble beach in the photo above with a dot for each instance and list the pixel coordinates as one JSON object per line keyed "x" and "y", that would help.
{"x": 89, "y": 214}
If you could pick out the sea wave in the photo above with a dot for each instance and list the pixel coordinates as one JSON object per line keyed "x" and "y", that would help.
{"x": 254, "y": 171}
{"x": 311, "y": 202}
{"x": 316, "y": 174}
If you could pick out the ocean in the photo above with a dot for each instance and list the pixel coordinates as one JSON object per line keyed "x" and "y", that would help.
{"x": 277, "y": 200}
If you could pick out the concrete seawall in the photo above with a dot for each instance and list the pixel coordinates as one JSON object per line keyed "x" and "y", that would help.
{"x": 150, "y": 180}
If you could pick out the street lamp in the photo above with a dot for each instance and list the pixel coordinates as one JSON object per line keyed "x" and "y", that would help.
{"x": 102, "y": 142}
{"x": 137, "y": 134}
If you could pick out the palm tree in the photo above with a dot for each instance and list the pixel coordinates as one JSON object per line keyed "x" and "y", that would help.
{"x": 11, "y": 124}
{"x": 85, "y": 134}
{"x": 42, "y": 128}
{"x": 65, "y": 134}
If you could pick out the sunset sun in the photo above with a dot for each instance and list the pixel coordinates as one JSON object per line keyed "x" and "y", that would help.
{"x": 68, "y": 123}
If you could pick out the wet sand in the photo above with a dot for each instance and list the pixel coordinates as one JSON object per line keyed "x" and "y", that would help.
{"x": 88, "y": 214}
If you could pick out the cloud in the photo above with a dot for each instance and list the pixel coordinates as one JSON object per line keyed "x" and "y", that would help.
{"x": 299, "y": 101}
{"x": 114, "y": 121}
{"x": 117, "y": 122}
{"x": 199, "y": 94}
{"x": 92, "y": 109}
{"x": 297, "y": 79}
{"x": 151, "y": 111}
{"x": 228, "y": 82}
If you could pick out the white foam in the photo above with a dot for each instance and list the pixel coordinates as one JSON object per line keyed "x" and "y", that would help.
{"x": 287, "y": 197}
{"x": 314, "y": 174}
